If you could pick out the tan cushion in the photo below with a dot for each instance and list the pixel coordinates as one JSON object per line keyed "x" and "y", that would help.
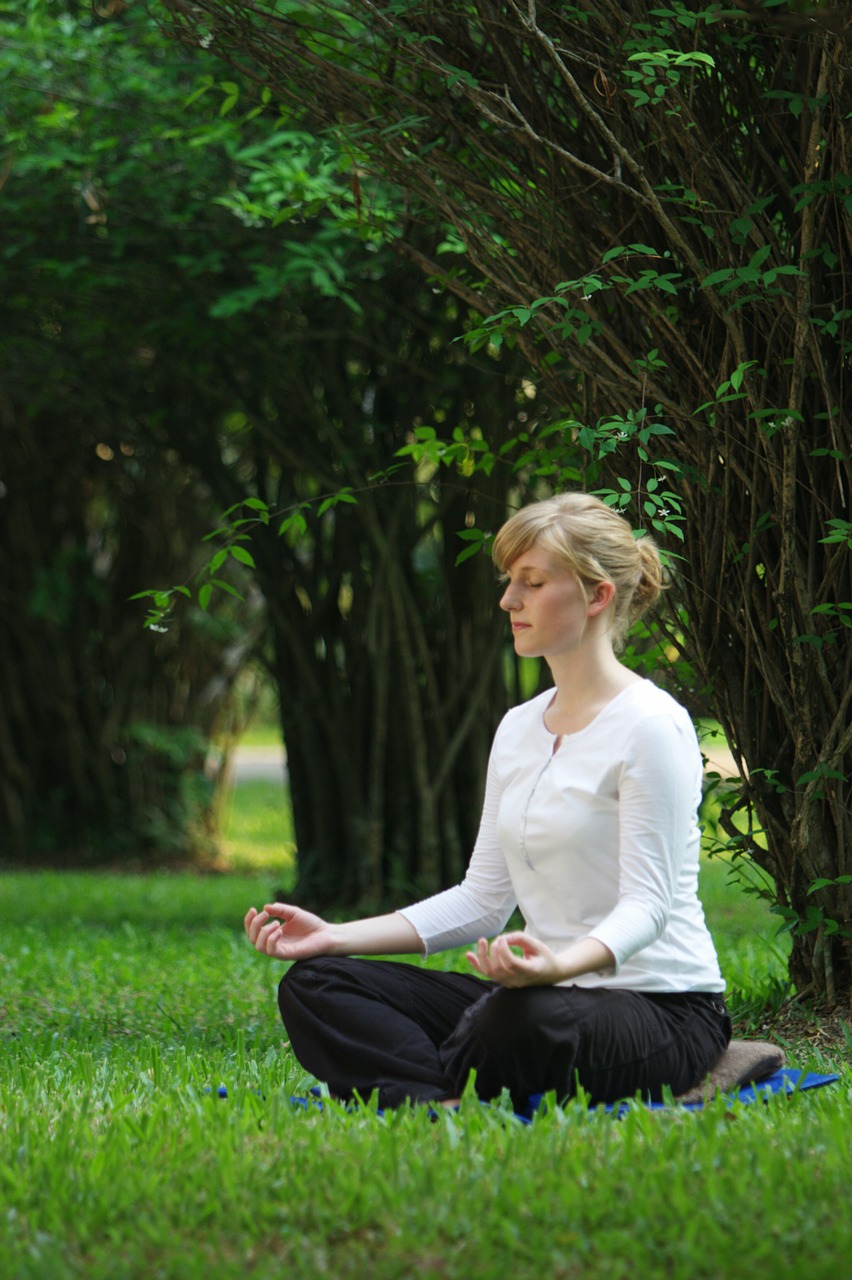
{"x": 743, "y": 1062}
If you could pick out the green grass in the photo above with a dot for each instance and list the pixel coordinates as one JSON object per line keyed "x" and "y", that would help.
{"x": 752, "y": 954}
{"x": 261, "y": 733}
{"x": 124, "y": 999}
{"x": 257, "y": 830}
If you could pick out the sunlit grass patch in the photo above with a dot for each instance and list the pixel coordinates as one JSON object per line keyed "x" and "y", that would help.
{"x": 257, "y": 829}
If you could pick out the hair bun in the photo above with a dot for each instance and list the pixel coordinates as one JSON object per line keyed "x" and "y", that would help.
{"x": 651, "y": 577}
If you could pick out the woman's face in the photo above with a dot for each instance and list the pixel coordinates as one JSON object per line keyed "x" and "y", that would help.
{"x": 547, "y": 607}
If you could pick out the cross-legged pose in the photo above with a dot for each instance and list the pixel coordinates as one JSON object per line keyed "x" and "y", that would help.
{"x": 588, "y": 827}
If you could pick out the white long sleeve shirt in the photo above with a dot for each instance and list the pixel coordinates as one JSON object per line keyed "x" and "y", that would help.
{"x": 598, "y": 838}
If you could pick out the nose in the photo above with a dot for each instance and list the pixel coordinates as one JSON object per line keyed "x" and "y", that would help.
{"x": 508, "y": 600}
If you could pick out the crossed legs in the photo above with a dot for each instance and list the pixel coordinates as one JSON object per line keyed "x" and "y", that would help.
{"x": 415, "y": 1034}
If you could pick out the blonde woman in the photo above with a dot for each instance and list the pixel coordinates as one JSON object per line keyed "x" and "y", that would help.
{"x": 588, "y": 827}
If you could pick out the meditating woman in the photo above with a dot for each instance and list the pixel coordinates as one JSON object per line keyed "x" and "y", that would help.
{"x": 588, "y": 827}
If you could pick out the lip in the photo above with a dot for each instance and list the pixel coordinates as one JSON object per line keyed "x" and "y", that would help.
{"x": 521, "y": 626}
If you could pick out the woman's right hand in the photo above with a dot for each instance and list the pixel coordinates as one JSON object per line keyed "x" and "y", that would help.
{"x": 288, "y": 933}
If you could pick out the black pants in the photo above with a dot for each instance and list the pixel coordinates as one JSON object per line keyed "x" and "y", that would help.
{"x": 415, "y": 1034}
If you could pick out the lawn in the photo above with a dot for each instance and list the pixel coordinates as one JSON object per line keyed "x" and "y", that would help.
{"x": 127, "y": 1001}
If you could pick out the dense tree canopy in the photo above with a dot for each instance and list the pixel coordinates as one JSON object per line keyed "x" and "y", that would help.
{"x": 655, "y": 206}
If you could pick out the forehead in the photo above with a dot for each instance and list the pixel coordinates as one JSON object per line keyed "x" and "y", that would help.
{"x": 536, "y": 559}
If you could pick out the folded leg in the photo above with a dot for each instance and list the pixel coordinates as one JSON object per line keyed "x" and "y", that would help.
{"x": 366, "y": 1025}
{"x": 613, "y": 1043}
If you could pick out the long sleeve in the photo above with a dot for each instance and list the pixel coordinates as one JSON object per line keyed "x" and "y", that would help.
{"x": 658, "y": 789}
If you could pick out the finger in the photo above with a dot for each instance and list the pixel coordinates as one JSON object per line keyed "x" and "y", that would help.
{"x": 501, "y": 953}
{"x": 509, "y": 968}
{"x": 479, "y": 958}
{"x": 273, "y": 940}
{"x": 280, "y": 909}
{"x": 277, "y": 945}
{"x": 256, "y": 924}
{"x": 249, "y": 916}
{"x": 264, "y": 935}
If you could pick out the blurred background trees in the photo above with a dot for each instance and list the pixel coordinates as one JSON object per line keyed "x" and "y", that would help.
{"x": 108, "y": 255}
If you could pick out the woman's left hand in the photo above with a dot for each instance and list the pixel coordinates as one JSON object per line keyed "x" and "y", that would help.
{"x": 536, "y": 966}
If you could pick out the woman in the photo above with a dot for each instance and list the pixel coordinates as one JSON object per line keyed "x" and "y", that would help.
{"x": 588, "y": 826}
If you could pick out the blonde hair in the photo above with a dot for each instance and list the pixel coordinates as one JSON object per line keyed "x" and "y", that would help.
{"x": 595, "y": 543}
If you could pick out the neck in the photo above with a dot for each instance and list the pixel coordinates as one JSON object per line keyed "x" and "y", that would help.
{"x": 588, "y": 678}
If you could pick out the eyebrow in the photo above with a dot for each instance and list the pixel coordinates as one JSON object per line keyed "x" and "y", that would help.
{"x": 529, "y": 568}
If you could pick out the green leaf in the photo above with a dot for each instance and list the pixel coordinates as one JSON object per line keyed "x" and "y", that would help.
{"x": 826, "y": 884}
{"x": 818, "y": 774}
{"x": 740, "y": 372}
{"x": 692, "y": 56}
{"x": 295, "y": 521}
{"x": 717, "y": 277}
{"x": 244, "y": 556}
{"x": 226, "y": 586}
{"x": 759, "y": 256}
{"x": 841, "y": 531}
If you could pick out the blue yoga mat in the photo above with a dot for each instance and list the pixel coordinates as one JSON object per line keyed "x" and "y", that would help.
{"x": 786, "y": 1081}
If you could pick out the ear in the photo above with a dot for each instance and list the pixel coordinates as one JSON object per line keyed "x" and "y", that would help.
{"x": 601, "y": 597}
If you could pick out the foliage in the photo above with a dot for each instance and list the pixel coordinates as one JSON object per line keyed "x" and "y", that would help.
{"x": 257, "y": 352}
{"x": 654, "y": 207}
{"x": 111, "y": 261}
{"x": 131, "y": 997}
